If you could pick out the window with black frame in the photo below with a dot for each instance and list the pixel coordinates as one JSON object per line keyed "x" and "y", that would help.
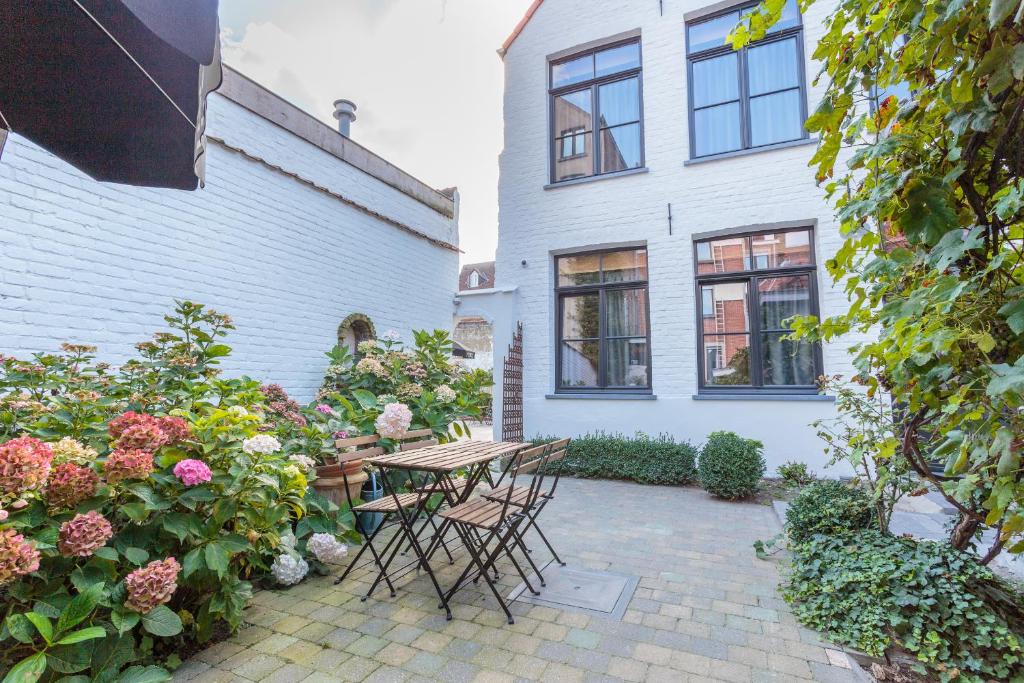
{"x": 747, "y": 98}
{"x": 595, "y": 96}
{"x": 747, "y": 287}
{"x": 602, "y": 325}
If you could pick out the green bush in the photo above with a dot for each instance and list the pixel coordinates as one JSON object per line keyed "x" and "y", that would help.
{"x": 795, "y": 473}
{"x": 870, "y": 591}
{"x": 640, "y": 458}
{"x": 828, "y": 507}
{"x": 730, "y": 466}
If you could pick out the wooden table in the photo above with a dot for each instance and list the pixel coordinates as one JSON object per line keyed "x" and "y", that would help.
{"x": 440, "y": 461}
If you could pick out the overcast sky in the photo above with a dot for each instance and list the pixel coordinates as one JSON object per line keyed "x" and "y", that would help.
{"x": 424, "y": 75}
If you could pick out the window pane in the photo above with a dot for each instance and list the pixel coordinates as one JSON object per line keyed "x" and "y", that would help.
{"x": 579, "y": 364}
{"x": 790, "y": 17}
{"x": 620, "y": 102}
{"x": 715, "y": 80}
{"x": 579, "y": 270}
{"x": 573, "y": 112}
{"x": 625, "y": 266}
{"x": 726, "y": 359}
{"x": 620, "y": 148}
{"x": 780, "y": 250}
{"x": 729, "y": 308}
{"x": 781, "y": 298}
{"x": 579, "y": 163}
{"x": 727, "y": 255}
{"x": 712, "y": 33}
{"x": 776, "y": 118}
{"x": 627, "y": 363}
{"x": 618, "y": 59}
{"x": 772, "y": 66}
{"x": 580, "y": 317}
{"x": 627, "y": 313}
{"x": 716, "y": 129}
{"x": 785, "y": 363}
{"x": 573, "y": 71}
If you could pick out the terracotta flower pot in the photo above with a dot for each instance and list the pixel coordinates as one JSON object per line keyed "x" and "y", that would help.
{"x": 330, "y": 483}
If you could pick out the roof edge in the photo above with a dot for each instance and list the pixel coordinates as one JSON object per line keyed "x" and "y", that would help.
{"x": 519, "y": 27}
{"x": 268, "y": 105}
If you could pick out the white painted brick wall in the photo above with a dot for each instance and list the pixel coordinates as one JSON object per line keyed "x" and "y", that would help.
{"x": 101, "y": 264}
{"x": 760, "y": 188}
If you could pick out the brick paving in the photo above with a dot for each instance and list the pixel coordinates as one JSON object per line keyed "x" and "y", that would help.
{"x": 705, "y": 609}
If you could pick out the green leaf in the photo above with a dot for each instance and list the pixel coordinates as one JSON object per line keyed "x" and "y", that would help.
{"x": 107, "y": 553}
{"x": 136, "y": 556}
{"x": 136, "y": 512}
{"x": 217, "y": 558}
{"x": 42, "y": 625}
{"x": 192, "y": 562}
{"x": 88, "y": 633}
{"x": 20, "y": 628}
{"x": 234, "y": 543}
{"x": 124, "y": 621}
{"x": 80, "y": 607}
{"x": 144, "y": 674}
{"x": 68, "y": 659}
{"x": 110, "y": 655}
{"x": 1014, "y": 314}
{"x": 161, "y": 621}
{"x": 999, "y": 10}
{"x": 365, "y": 398}
{"x": 218, "y": 350}
{"x": 928, "y": 213}
{"x": 27, "y": 670}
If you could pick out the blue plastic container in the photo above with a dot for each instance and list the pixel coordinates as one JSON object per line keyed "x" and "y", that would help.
{"x": 372, "y": 490}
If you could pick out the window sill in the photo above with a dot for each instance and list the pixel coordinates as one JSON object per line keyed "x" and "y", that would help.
{"x": 605, "y": 396}
{"x": 762, "y": 397}
{"x": 595, "y": 178}
{"x": 752, "y": 150}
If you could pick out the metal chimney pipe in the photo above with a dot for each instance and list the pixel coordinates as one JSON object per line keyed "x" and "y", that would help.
{"x": 345, "y": 112}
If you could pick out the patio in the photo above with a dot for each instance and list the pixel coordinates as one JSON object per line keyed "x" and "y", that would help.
{"x": 705, "y": 609}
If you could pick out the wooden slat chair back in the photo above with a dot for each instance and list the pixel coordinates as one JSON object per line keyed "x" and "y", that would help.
{"x": 351, "y": 449}
{"x": 532, "y": 462}
{"x": 419, "y": 438}
{"x": 555, "y": 464}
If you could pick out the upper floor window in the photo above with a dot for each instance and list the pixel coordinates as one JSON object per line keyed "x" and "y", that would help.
{"x": 595, "y": 117}
{"x": 746, "y": 98}
{"x": 748, "y": 287}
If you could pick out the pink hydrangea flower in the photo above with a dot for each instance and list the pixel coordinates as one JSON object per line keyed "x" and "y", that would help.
{"x": 3, "y": 515}
{"x": 144, "y": 437}
{"x": 325, "y": 409}
{"x": 83, "y": 535}
{"x": 394, "y": 422}
{"x": 17, "y": 556}
{"x": 175, "y": 429}
{"x": 128, "y": 464}
{"x": 151, "y": 585}
{"x": 24, "y": 464}
{"x": 69, "y": 484}
{"x": 340, "y": 435}
{"x": 192, "y": 472}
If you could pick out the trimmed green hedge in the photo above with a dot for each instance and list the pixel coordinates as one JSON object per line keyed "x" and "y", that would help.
{"x": 730, "y": 466}
{"x": 641, "y": 458}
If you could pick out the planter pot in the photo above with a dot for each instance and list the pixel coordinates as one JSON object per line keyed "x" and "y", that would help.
{"x": 330, "y": 483}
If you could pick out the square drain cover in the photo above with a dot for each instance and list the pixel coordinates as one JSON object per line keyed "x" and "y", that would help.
{"x": 584, "y": 590}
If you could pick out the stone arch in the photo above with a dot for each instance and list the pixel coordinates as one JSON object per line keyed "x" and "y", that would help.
{"x": 354, "y": 329}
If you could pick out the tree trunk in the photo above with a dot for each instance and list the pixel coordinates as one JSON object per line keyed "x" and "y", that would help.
{"x": 963, "y": 532}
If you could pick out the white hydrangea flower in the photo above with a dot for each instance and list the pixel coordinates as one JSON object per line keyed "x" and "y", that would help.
{"x": 238, "y": 411}
{"x": 367, "y": 346}
{"x": 445, "y": 394}
{"x": 303, "y": 461}
{"x": 288, "y": 540}
{"x": 289, "y": 570}
{"x": 327, "y": 548}
{"x": 394, "y": 422}
{"x": 261, "y": 443}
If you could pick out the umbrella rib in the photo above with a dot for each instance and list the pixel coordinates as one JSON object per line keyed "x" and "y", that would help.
{"x": 3, "y": 120}
{"x": 134, "y": 61}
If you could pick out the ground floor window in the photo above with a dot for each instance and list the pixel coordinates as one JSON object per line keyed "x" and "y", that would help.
{"x": 747, "y": 287}
{"x": 602, "y": 326}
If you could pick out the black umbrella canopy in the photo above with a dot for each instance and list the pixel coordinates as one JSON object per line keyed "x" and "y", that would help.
{"x": 115, "y": 87}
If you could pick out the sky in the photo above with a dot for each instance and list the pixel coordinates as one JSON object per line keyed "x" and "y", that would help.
{"x": 424, "y": 74}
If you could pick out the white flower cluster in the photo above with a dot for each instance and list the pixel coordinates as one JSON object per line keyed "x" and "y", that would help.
{"x": 289, "y": 570}
{"x": 261, "y": 443}
{"x": 327, "y": 548}
{"x": 238, "y": 411}
{"x": 394, "y": 422}
{"x": 303, "y": 461}
{"x": 445, "y": 394}
{"x": 367, "y": 346}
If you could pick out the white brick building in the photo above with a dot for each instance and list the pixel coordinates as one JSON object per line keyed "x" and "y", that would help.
{"x": 297, "y": 228}
{"x": 676, "y": 362}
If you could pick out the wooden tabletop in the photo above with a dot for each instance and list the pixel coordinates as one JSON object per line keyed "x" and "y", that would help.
{"x": 447, "y": 456}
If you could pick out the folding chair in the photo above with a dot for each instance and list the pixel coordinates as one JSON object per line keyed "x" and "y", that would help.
{"x": 366, "y": 447}
{"x": 499, "y": 521}
{"x": 520, "y": 494}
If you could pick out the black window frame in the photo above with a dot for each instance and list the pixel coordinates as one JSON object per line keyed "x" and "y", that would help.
{"x": 601, "y": 288}
{"x": 751, "y": 276}
{"x": 555, "y": 140}
{"x": 743, "y": 81}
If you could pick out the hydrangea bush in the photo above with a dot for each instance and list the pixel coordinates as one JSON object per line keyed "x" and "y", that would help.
{"x": 138, "y": 504}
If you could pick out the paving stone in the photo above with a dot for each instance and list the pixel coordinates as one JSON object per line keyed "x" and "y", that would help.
{"x": 553, "y": 632}
{"x": 627, "y": 669}
{"x": 425, "y": 663}
{"x": 457, "y": 672}
{"x": 253, "y": 665}
{"x": 527, "y": 666}
{"x": 580, "y": 638}
{"x": 832, "y": 674}
{"x": 387, "y": 674}
{"x": 357, "y": 668}
{"x": 300, "y": 652}
{"x": 328, "y": 660}
{"x": 340, "y": 638}
{"x": 367, "y": 646}
{"x": 289, "y": 673}
{"x": 431, "y": 642}
{"x": 290, "y": 624}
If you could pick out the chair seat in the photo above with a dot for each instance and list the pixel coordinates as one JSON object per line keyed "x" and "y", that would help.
{"x": 386, "y": 503}
{"x": 478, "y": 512}
{"x": 457, "y": 484}
{"x": 520, "y": 494}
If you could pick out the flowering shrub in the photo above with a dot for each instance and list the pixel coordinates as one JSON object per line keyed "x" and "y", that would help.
{"x": 141, "y": 502}
{"x": 394, "y": 421}
{"x": 327, "y": 548}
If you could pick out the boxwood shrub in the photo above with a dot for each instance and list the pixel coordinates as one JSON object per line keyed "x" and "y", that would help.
{"x": 827, "y": 507}
{"x": 730, "y": 466}
{"x": 872, "y": 591}
{"x": 641, "y": 458}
